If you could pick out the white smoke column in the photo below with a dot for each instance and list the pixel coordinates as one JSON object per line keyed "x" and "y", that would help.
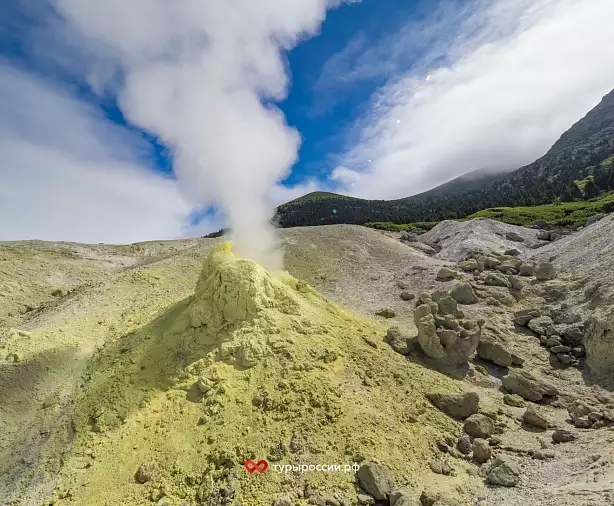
{"x": 198, "y": 74}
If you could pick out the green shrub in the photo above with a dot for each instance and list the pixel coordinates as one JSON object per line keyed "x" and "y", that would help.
{"x": 564, "y": 214}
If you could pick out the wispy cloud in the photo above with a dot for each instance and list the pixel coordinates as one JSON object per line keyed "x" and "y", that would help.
{"x": 68, "y": 174}
{"x": 382, "y": 55}
{"x": 505, "y": 79}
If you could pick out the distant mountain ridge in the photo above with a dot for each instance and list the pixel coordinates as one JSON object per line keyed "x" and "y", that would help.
{"x": 578, "y": 165}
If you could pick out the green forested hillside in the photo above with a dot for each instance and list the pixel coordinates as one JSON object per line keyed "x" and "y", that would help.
{"x": 577, "y": 167}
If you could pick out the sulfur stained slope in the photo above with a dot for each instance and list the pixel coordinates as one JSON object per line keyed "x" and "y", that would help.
{"x": 253, "y": 365}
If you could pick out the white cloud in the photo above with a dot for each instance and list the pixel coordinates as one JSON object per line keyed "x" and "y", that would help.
{"x": 67, "y": 174}
{"x": 516, "y": 75}
{"x": 344, "y": 176}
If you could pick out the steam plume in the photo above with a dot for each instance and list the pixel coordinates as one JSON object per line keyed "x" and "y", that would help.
{"x": 202, "y": 76}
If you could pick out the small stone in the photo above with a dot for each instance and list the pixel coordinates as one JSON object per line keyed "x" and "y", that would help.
{"x": 491, "y": 262}
{"x": 551, "y": 342}
{"x": 447, "y": 305}
{"x": 479, "y": 426}
{"x": 365, "y": 499}
{"x": 143, "y": 474}
{"x": 594, "y": 416}
{"x": 441, "y": 467}
{"x": 463, "y": 294}
{"x": 582, "y": 423}
{"x": 545, "y": 272}
{"x": 375, "y": 479}
{"x": 528, "y": 386}
{"x": 563, "y": 436}
{"x": 573, "y": 336}
{"x": 526, "y": 270}
{"x": 523, "y": 316}
{"x": 559, "y": 349}
{"x": 513, "y": 236}
{"x": 517, "y": 360}
{"x": 532, "y": 416}
{"x": 514, "y": 400}
{"x": 481, "y": 450}
{"x": 495, "y": 279}
{"x": 457, "y": 406}
{"x": 578, "y": 410}
{"x": 578, "y": 352}
{"x": 446, "y": 274}
{"x": 494, "y": 352}
{"x": 565, "y": 358}
{"x": 543, "y": 455}
{"x": 512, "y": 252}
{"x": 468, "y": 265}
{"x": 405, "y": 295}
{"x": 402, "y": 285}
{"x": 540, "y": 325}
{"x": 515, "y": 283}
{"x": 565, "y": 316}
{"x": 386, "y": 313}
{"x": 503, "y": 472}
{"x": 464, "y": 445}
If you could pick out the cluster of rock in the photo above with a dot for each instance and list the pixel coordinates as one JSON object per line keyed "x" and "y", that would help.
{"x": 479, "y": 437}
{"x": 376, "y": 486}
{"x": 552, "y": 235}
{"x": 495, "y": 271}
{"x": 563, "y": 340}
{"x": 585, "y": 415}
{"x": 507, "y": 263}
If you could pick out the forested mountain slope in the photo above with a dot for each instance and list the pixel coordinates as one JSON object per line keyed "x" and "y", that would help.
{"x": 578, "y": 166}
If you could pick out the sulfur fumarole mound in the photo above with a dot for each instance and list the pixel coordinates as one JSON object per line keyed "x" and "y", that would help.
{"x": 253, "y": 365}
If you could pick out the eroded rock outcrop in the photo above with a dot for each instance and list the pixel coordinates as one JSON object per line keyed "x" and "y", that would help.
{"x": 442, "y": 335}
{"x": 599, "y": 346}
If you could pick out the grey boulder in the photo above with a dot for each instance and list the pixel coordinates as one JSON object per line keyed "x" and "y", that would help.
{"x": 456, "y": 406}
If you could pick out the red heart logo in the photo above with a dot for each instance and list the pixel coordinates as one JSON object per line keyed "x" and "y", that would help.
{"x": 260, "y": 466}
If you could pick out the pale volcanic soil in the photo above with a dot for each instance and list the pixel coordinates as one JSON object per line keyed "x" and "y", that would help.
{"x": 148, "y": 373}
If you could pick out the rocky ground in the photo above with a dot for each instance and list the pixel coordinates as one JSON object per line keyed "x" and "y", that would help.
{"x": 500, "y": 343}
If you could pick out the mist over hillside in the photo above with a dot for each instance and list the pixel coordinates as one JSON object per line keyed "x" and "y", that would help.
{"x": 578, "y": 166}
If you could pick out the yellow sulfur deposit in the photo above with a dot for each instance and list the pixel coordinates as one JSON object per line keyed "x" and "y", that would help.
{"x": 253, "y": 365}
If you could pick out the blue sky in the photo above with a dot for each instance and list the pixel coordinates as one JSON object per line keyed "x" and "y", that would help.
{"x": 131, "y": 121}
